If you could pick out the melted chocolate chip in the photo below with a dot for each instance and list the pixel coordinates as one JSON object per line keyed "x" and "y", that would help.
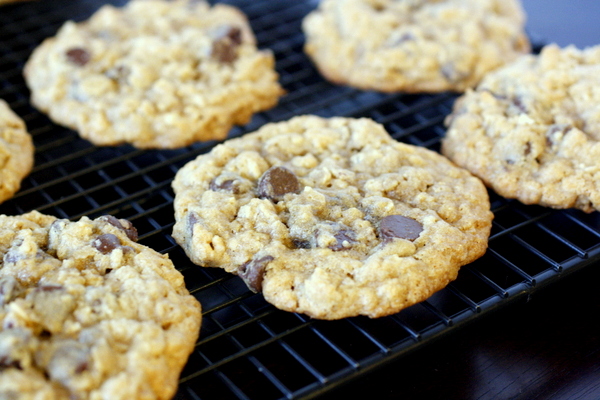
{"x": 224, "y": 47}
{"x": 301, "y": 243}
{"x": 518, "y": 103}
{"x": 496, "y": 95}
{"x": 81, "y": 367}
{"x": 49, "y": 288}
{"x": 224, "y": 52}
{"x": 253, "y": 272}
{"x": 192, "y": 219}
{"x": 343, "y": 235}
{"x": 106, "y": 243}
{"x": 123, "y": 225}
{"x": 6, "y": 362}
{"x": 527, "y": 148}
{"x": 398, "y": 226}
{"x": 228, "y": 185}
{"x": 277, "y": 182}
{"x": 378, "y": 7}
{"x": 45, "y": 334}
{"x": 78, "y": 56}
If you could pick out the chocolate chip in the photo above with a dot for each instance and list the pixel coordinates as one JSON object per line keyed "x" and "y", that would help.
{"x": 130, "y": 230}
{"x": 343, "y": 235}
{"x": 49, "y": 288}
{"x": 301, "y": 243}
{"x": 556, "y": 132}
{"x": 518, "y": 103}
{"x": 224, "y": 47}
{"x": 527, "y": 148}
{"x": 106, "y": 243}
{"x": 78, "y": 56}
{"x": 45, "y": 334}
{"x": 82, "y": 367}
{"x": 496, "y": 95}
{"x": 224, "y": 52}
{"x": 277, "y": 182}
{"x": 6, "y": 362}
{"x": 13, "y": 255}
{"x": 192, "y": 219}
{"x": 253, "y": 272}
{"x": 398, "y": 226}
{"x": 234, "y": 34}
{"x": 228, "y": 185}
{"x": 123, "y": 225}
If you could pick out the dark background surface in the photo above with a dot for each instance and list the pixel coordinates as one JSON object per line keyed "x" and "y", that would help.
{"x": 547, "y": 348}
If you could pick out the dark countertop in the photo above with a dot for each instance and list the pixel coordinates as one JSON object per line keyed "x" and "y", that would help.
{"x": 547, "y": 348}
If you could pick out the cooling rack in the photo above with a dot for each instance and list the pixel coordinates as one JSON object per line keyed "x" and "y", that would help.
{"x": 247, "y": 348}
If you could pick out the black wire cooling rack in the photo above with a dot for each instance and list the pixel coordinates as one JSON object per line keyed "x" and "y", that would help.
{"x": 247, "y": 348}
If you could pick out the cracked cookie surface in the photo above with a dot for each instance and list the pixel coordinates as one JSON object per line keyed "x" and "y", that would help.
{"x": 155, "y": 73}
{"x": 88, "y": 313}
{"x": 16, "y": 152}
{"x": 413, "y": 45}
{"x": 331, "y": 217}
{"x": 531, "y": 129}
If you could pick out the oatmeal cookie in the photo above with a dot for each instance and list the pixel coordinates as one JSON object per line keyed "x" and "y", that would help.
{"x": 88, "y": 313}
{"x": 155, "y": 73}
{"x": 331, "y": 217}
{"x": 16, "y": 152}
{"x": 414, "y": 45}
{"x": 531, "y": 130}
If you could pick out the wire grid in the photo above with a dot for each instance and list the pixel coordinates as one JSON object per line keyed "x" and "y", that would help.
{"x": 248, "y": 349}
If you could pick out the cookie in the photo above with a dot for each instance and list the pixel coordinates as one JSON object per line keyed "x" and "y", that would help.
{"x": 88, "y": 313}
{"x": 16, "y": 152}
{"x": 155, "y": 73}
{"x": 331, "y": 217}
{"x": 531, "y": 130}
{"x": 413, "y": 45}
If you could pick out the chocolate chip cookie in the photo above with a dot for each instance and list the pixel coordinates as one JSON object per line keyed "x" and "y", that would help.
{"x": 16, "y": 152}
{"x": 331, "y": 217}
{"x": 531, "y": 130}
{"x": 413, "y": 45}
{"x": 88, "y": 313}
{"x": 155, "y": 73}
